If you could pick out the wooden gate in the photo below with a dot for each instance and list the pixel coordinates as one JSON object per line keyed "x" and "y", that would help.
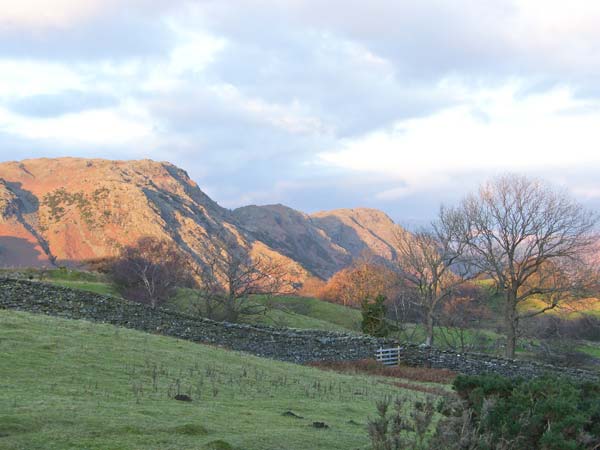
{"x": 388, "y": 356}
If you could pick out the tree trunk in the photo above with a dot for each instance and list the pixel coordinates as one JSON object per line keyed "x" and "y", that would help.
{"x": 231, "y": 311}
{"x": 511, "y": 322}
{"x": 429, "y": 328}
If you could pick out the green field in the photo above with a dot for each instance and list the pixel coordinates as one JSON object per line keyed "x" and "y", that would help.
{"x": 289, "y": 312}
{"x": 74, "y": 384}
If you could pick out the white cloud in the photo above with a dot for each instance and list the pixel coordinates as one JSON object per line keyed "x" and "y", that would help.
{"x": 126, "y": 125}
{"x": 57, "y": 14}
{"x": 39, "y": 13}
{"x": 21, "y": 78}
{"x": 417, "y": 96}
{"x": 519, "y": 134}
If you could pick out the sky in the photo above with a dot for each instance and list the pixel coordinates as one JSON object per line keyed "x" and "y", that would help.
{"x": 397, "y": 105}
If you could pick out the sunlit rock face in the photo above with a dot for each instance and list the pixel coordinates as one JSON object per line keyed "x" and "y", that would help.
{"x": 69, "y": 211}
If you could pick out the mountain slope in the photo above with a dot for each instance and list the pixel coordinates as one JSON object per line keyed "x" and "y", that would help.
{"x": 323, "y": 242}
{"x": 72, "y": 210}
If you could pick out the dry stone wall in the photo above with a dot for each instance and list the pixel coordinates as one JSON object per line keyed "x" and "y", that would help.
{"x": 277, "y": 343}
{"x": 477, "y": 364}
{"x": 284, "y": 344}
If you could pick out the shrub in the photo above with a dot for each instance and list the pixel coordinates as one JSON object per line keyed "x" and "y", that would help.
{"x": 562, "y": 353}
{"x": 402, "y": 429}
{"x": 549, "y": 326}
{"x": 543, "y": 413}
{"x": 373, "y": 317}
{"x": 150, "y": 271}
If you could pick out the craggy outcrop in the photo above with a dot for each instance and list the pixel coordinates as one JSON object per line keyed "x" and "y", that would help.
{"x": 67, "y": 211}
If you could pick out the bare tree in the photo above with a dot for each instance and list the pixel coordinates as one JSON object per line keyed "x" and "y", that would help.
{"x": 150, "y": 271}
{"x": 430, "y": 264}
{"x": 530, "y": 238}
{"x": 404, "y": 311}
{"x": 230, "y": 276}
{"x": 461, "y": 318}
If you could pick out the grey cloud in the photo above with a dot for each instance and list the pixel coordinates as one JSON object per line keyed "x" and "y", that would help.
{"x": 481, "y": 42}
{"x": 223, "y": 133}
{"x": 331, "y": 81}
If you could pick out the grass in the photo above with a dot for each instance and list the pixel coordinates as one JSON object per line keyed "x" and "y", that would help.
{"x": 97, "y": 287}
{"x": 74, "y": 384}
{"x": 591, "y": 348}
{"x": 570, "y": 310}
{"x": 86, "y": 281}
{"x": 62, "y": 274}
{"x": 75, "y": 279}
{"x": 335, "y": 316}
{"x": 290, "y": 312}
{"x": 471, "y": 336}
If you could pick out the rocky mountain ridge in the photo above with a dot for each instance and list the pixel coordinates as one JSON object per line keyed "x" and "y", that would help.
{"x": 73, "y": 210}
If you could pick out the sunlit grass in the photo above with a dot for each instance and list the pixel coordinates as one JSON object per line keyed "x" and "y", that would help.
{"x": 75, "y": 384}
{"x": 286, "y": 311}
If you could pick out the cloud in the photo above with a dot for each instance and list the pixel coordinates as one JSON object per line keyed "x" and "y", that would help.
{"x": 61, "y": 103}
{"x": 517, "y": 134}
{"x": 398, "y": 105}
{"x": 86, "y": 30}
{"x": 433, "y": 39}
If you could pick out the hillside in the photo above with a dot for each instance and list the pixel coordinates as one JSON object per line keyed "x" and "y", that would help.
{"x": 108, "y": 387}
{"x": 322, "y": 242}
{"x": 68, "y": 211}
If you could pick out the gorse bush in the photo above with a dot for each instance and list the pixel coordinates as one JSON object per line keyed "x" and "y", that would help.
{"x": 544, "y": 413}
{"x": 408, "y": 425}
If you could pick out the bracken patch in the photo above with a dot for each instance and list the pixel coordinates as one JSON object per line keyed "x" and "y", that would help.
{"x": 372, "y": 367}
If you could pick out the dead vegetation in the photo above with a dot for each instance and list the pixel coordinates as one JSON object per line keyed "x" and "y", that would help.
{"x": 372, "y": 367}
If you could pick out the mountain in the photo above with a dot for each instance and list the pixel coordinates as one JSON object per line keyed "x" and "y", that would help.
{"x": 69, "y": 211}
{"x": 323, "y": 242}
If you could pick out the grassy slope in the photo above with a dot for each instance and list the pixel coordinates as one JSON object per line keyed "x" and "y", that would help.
{"x": 574, "y": 309}
{"x": 87, "y": 281}
{"x": 93, "y": 286}
{"x": 74, "y": 384}
{"x": 291, "y": 312}
{"x": 310, "y": 313}
{"x": 341, "y": 317}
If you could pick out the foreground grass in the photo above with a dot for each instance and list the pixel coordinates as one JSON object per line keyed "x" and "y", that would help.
{"x": 74, "y": 384}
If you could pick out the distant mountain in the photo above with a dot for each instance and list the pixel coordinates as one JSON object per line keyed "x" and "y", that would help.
{"x": 323, "y": 242}
{"x": 73, "y": 210}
